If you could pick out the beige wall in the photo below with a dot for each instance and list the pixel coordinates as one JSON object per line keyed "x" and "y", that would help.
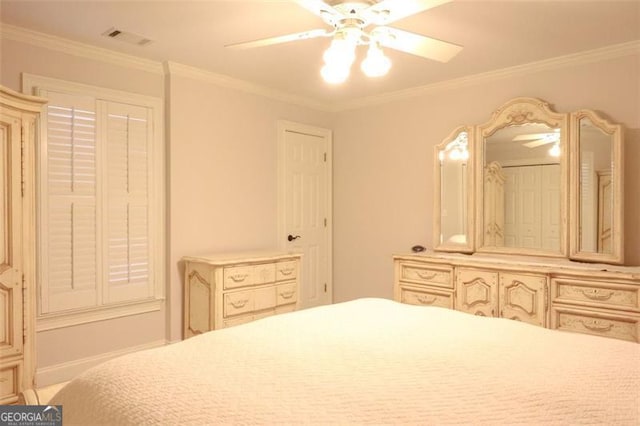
{"x": 223, "y": 163}
{"x": 383, "y": 158}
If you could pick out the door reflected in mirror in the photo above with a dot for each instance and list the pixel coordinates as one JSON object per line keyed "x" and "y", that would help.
{"x": 453, "y": 161}
{"x": 596, "y": 188}
{"x": 522, "y": 187}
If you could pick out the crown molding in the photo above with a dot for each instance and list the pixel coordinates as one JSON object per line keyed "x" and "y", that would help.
{"x": 70, "y": 47}
{"x": 581, "y": 58}
{"x": 174, "y": 68}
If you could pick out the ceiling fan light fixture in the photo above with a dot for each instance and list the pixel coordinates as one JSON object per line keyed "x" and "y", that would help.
{"x": 555, "y": 150}
{"x": 335, "y": 73}
{"x": 340, "y": 52}
{"x": 376, "y": 64}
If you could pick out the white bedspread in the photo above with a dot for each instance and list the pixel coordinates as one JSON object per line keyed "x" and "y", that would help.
{"x": 366, "y": 361}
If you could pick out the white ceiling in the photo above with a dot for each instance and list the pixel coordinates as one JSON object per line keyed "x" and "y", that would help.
{"x": 495, "y": 35}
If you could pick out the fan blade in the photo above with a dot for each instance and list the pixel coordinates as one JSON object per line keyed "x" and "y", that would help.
{"x": 537, "y": 143}
{"x": 318, "y": 7}
{"x": 416, "y": 44}
{"x": 281, "y": 39}
{"x": 388, "y": 11}
{"x": 530, "y": 136}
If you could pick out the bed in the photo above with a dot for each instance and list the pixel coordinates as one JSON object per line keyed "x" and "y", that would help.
{"x": 366, "y": 361}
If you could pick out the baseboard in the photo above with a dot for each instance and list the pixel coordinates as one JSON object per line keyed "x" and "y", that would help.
{"x": 66, "y": 371}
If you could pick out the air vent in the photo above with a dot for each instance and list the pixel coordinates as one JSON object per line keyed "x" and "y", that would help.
{"x": 126, "y": 37}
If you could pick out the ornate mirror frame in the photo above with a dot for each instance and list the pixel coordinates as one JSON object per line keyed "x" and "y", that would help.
{"x": 614, "y": 131}
{"x": 525, "y": 110}
{"x": 439, "y": 153}
{"x": 521, "y": 111}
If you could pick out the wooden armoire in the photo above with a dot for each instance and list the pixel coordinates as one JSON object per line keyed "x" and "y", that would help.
{"x": 18, "y": 116}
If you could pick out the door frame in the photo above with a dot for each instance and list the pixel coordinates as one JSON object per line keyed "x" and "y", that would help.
{"x": 283, "y": 127}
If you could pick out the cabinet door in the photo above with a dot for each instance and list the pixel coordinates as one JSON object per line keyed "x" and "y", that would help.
{"x": 10, "y": 235}
{"x": 477, "y": 291}
{"x": 524, "y": 298}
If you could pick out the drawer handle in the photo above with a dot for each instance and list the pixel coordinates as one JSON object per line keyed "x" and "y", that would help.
{"x": 238, "y": 278}
{"x": 287, "y": 271}
{"x": 597, "y": 326}
{"x": 288, "y": 294}
{"x": 239, "y": 304}
{"x": 426, "y": 301}
{"x": 426, "y": 276}
{"x": 596, "y": 295}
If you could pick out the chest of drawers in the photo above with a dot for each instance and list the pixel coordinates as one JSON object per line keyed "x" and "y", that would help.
{"x": 230, "y": 289}
{"x": 602, "y": 300}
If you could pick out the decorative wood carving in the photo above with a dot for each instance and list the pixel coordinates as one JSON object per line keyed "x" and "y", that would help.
{"x": 520, "y": 296}
{"x": 196, "y": 275}
{"x": 476, "y": 292}
{"x": 494, "y": 205}
{"x": 523, "y": 110}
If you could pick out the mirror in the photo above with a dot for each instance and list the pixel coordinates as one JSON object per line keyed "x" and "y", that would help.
{"x": 597, "y": 182}
{"x": 531, "y": 181}
{"x": 454, "y": 204}
{"x": 528, "y": 158}
{"x": 522, "y": 181}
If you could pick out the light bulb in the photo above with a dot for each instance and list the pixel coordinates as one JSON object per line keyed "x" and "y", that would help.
{"x": 334, "y": 74}
{"x": 464, "y": 154}
{"x": 375, "y": 64}
{"x": 340, "y": 52}
{"x": 455, "y": 154}
{"x": 555, "y": 150}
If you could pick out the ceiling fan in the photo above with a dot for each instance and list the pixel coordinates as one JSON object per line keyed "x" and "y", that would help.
{"x": 364, "y": 22}
{"x": 538, "y": 139}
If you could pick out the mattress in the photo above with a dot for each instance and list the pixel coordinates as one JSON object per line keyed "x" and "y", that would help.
{"x": 368, "y": 361}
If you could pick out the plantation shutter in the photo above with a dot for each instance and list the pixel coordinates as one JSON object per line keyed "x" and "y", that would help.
{"x": 70, "y": 246}
{"x": 128, "y": 138}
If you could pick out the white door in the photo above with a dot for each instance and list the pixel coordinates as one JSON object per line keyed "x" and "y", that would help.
{"x": 304, "y": 206}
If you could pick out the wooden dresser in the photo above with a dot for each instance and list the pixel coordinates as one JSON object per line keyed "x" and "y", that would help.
{"x": 18, "y": 117}
{"x": 230, "y": 289}
{"x": 598, "y": 299}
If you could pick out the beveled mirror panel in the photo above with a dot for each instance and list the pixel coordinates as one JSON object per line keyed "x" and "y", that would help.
{"x": 453, "y": 207}
{"x": 532, "y": 181}
{"x": 597, "y": 188}
{"x": 523, "y": 180}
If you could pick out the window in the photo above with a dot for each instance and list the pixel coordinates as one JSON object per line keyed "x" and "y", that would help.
{"x": 101, "y": 203}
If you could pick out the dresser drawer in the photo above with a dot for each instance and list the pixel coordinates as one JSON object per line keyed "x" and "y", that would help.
{"x": 248, "y": 275}
{"x": 438, "y": 276}
{"x": 237, "y": 276}
{"x": 286, "y": 293}
{"x": 599, "y": 294}
{"x": 238, "y": 302}
{"x": 238, "y": 320}
{"x": 426, "y": 298}
{"x": 285, "y": 308}
{"x": 264, "y": 298}
{"x": 624, "y": 327}
{"x": 286, "y": 270}
{"x": 9, "y": 376}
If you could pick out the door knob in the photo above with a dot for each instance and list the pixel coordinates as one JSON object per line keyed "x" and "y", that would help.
{"x": 291, "y": 237}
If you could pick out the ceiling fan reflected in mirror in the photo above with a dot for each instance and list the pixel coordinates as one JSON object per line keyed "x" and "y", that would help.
{"x": 539, "y": 139}
{"x": 364, "y": 23}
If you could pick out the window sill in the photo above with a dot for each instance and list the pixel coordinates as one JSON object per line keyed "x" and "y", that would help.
{"x": 69, "y": 319}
